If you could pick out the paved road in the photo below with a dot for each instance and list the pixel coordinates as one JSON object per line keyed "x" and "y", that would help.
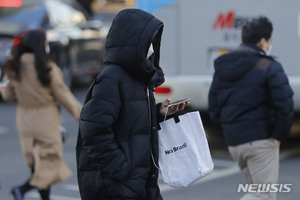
{"x": 220, "y": 185}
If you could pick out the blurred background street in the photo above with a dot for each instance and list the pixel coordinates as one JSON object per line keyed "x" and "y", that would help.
{"x": 77, "y": 47}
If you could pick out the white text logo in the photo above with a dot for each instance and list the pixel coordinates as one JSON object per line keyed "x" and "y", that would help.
{"x": 251, "y": 188}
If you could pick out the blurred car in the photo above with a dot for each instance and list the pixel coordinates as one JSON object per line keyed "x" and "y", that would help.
{"x": 76, "y": 43}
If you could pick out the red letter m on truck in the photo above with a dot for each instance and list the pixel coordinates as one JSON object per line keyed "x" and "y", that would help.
{"x": 224, "y": 21}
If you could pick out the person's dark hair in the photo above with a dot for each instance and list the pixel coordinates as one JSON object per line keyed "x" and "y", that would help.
{"x": 257, "y": 29}
{"x": 32, "y": 41}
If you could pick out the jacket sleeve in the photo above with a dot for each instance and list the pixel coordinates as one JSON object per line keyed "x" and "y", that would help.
{"x": 282, "y": 100}
{"x": 8, "y": 92}
{"x": 63, "y": 94}
{"x": 213, "y": 107}
{"x": 96, "y": 128}
{"x": 159, "y": 116}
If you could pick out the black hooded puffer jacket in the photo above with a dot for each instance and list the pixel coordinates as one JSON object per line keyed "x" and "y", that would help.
{"x": 117, "y": 140}
{"x": 250, "y": 103}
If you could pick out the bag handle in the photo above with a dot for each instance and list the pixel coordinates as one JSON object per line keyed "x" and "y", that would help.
{"x": 175, "y": 117}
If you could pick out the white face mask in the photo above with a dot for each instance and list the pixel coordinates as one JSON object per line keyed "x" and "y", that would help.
{"x": 47, "y": 49}
{"x": 269, "y": 51}
{"x": 150, "y": 51}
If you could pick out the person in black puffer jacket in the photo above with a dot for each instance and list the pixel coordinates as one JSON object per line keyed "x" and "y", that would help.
{"x": 117, "y": 146}
{"x": 251, "y": 104}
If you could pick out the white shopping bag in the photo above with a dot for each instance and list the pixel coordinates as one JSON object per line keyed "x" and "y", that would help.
{"x": 184, "y": 154}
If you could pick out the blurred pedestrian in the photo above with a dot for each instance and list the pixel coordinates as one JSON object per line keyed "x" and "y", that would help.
{"x": 117, "y": 146}
{"x": 251, "y": 103}
{"x": 36, "y": 84}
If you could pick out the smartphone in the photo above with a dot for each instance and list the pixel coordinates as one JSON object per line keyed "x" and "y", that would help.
{"x": 4, "y": 82}
{"x": 174, "y": 103}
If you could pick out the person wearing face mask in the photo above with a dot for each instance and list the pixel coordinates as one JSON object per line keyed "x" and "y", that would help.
{"x": 251, "y": 105}
{"x": 117, "y": 145}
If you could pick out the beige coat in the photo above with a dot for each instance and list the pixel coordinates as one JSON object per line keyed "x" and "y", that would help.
{"x": 38, "y": 121}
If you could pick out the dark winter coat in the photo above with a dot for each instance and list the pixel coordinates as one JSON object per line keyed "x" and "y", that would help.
{"x": 249, "y": 100}
{"x": 117, "y": 140}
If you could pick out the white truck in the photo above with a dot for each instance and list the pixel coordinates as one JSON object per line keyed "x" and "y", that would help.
{"x": 198, "y": 31}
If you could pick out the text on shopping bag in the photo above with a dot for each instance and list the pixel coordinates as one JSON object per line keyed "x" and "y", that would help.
{"x": 174, "y": 149}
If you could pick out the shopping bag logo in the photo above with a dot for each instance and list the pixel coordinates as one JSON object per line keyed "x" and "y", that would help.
{"x": 175, "y": 149}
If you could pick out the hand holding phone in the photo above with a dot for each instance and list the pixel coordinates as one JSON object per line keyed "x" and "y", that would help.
{"x": 169, "y": 108}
